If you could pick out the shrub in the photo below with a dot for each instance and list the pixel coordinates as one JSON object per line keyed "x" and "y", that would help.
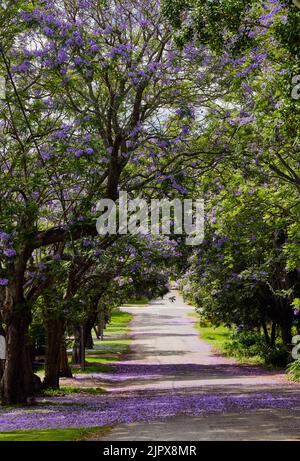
{"x": 248, "y": 343}
{"x": 245, "y": 343}
{"x": 277, "y": 357}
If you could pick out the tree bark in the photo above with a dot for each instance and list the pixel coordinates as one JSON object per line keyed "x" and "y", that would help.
{"x": 89, "y": 342}
{"x": 266, "y": 333}
{"x": 285, "y": 324}
{"x": 76, "y": 353}
{"x": 273, "y": 334}
{"x": 2, "y": 366}
{"x": 286, "y": 333}
{"x": 64, "y": 367}
{"x": 55, "y": 329}
{"x": 88, "y": 327}
{"x": 100, "y": 329}
{"x": 18, "y": 379}
{"x": 2, "y": 362}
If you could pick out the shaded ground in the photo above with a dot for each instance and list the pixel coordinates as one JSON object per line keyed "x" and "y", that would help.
{"x": 264, "y": 424}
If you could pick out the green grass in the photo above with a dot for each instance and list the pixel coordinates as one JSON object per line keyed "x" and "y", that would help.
{"x": 219, "y": 337}
{"x": 73, "y": 390}
{"x": 215, "y": 336}
{"x": 137, "y": 302}
{"x": 51, "y": 435}
{"x": 97, "y": 368}
{"x": 119, "y": 322}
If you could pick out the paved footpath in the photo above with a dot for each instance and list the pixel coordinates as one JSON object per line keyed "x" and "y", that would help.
{"x": 239, "y": 402}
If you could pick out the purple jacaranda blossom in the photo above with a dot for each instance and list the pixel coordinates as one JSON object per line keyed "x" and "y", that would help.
{"x": 24, "y": 66}
{"x": 48, "y": 31}
{"x": 284, "y": 19}
{"x": 95, "y": 48}
{"x": 78, "y": 60}
{"x": 84, "y": 3}
{"x": 62, "y": 57}
{"x": 4, "y": 237}
{"x": 237, "y": 193}
{"x": 10, "y": 252}
{"x": 89, "y": 150}
{"x": 296, "y": 312}
{"x": 4, "y": 282}
{"x": 35, "y": 194}
{"x": 144, "y": 22}
{"x": 89, "y": 411}
{"x": 87, "y": 243}
{"x": 180, "y": 188}
{"x": 25, "y": 16}
{"x": 45, "y": 155}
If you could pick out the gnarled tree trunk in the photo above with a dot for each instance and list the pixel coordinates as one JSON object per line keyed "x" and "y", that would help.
{"x": 64, "y": 367}
{"x": 55, "y": 329}
{"x": 2, "y": 362}
{"x": 76, "y": 353}
{"x": 18, "y": 379}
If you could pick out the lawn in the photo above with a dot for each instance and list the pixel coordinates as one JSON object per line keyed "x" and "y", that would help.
{"x": 137, "y": 302}
{"x": 51, "y": 435}
{"x": 215, "y": 336}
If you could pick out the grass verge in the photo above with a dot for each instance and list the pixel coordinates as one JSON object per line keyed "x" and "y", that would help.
{"x": 137, "y": 302}
{"x": 52, "y": 435}
{"x": 219, "y": 338}
{"x": 73, "y": 390}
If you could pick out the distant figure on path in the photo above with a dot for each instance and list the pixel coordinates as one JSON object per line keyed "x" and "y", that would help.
{"x": 172, "y": 299}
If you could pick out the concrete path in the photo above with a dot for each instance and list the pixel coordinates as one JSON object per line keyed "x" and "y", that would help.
{"x": 169, "y": 359}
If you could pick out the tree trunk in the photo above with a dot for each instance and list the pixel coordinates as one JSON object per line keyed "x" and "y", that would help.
{"x": 88, "y": 327}
{"x": 286, "y": 328}
{"x": 273, "y": 334}
{"x": 18, "y": 379}
{"x": 64, "y": 367}
{"x": 286, "y": 334}
{"x": 266, "y": 333}
{"x": 100, "y": 329}
{"x": 2, "y": 366}
{"x": 55, "y": 329}
{"x": 76, "y": 353}
{"x": 101, "y": 325}
{"x": 89, "y": 343}
{"x": 96, "y": 331}
{"x": 2, "y": 362}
